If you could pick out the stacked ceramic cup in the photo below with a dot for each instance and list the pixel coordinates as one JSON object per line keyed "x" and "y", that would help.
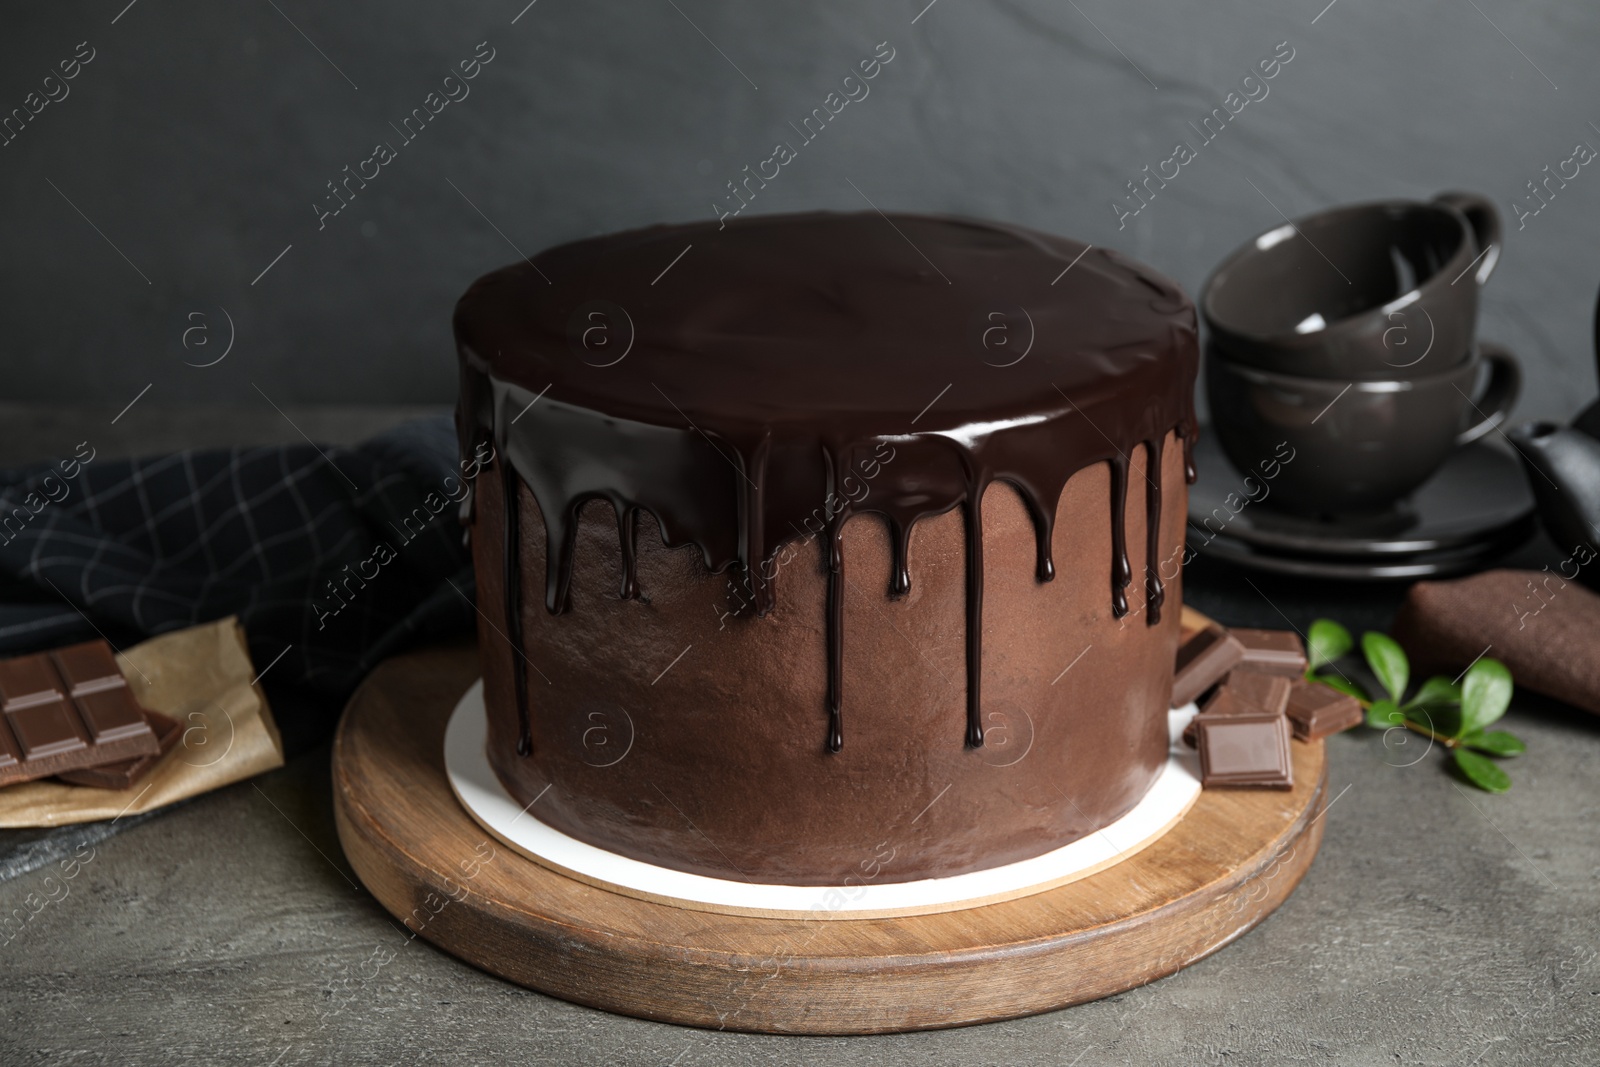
{"x": 1343, "y": 358}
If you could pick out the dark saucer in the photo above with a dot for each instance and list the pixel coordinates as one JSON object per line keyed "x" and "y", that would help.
{"x": 1478, "y": 502}
{"x": 1443, "y": 563}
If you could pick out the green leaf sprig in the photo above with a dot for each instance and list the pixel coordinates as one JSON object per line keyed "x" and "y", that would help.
{"x": 1456, "y": 716}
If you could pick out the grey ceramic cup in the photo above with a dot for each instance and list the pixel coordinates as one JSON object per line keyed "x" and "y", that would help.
{"x": 1374, "y": 291}
{"x": 1354, "y": 447}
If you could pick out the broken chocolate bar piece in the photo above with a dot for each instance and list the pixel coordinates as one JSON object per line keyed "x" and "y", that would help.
{"x": 125, "y": 773}
{"x": 67, "y": 709}
{"x": 1251, "y": 749}
{"x": 1248, "y": 690}
{"x": 1202, "y": 661}
{"x": 1272, "y": 652}
{"x": 1319, "y": 710}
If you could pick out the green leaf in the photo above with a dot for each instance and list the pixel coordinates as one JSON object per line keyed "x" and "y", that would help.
{"x": 1485, "y": 694}
{"x": 1384, "y": 715}
{"x": 1495, "y": 742}
{"x": 1343, "y": 685}
{"x": 1434, "y": 692}
{"x": 1388, "y": 661}
{"x": 1326, "y": 641}
{"x": 1481, "y": 771}
{"x": 1441, "y": 719}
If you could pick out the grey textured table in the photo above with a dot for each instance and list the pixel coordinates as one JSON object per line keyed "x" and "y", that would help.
{"x": 1436, "y": 927}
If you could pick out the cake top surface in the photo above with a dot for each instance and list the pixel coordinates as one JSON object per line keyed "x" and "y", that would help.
{"x": 857, "y": 320}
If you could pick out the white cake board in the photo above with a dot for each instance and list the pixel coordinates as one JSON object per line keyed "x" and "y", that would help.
{"x": 480, "y": 792}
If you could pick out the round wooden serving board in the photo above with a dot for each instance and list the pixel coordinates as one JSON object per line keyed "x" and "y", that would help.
{"x": 1223, "y": 868}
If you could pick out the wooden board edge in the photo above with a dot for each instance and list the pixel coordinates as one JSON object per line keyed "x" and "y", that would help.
{"x": 499, "y": 938}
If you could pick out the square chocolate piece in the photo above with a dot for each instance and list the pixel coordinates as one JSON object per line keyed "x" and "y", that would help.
{"x": 1245, "y": 750}
{"x": 1247, "y": 690}
{"x": 1202, "y": 661}
{"x": 111, "y": 714}
{"x": 1272, "y": 652}
{"x": 88, "y": 668}
{"x": 46, "y": 730}
{"x": 96, "y": 684}
{"x": 26, "y": 681}
{"x": 1319, "y": 710}
{"x": 1242, "y": 692}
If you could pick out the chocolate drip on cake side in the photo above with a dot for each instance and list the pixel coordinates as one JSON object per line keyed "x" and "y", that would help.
{"x": 510, "y": 549}
{"x": 742, "y": 479}
{"x": 835, "y": 610}
{"x": 972, "y": 512}
{"x": 1155, "y": 594}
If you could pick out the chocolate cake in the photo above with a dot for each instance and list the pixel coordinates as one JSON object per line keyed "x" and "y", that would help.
{"x": 806, "y": 553}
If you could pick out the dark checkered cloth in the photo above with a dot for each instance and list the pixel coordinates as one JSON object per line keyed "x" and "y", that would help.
{"x": 333, "y": 558}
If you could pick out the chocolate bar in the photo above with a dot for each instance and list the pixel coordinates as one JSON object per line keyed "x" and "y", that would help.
{"x": 1250, "y": 749}
{"x": 1319, "y": 710}
{"x": 1272, "y": 652}
{"x": 1203, "y": 659}
{"x": 67, "y": 709}
{"x": 125, "y": 773}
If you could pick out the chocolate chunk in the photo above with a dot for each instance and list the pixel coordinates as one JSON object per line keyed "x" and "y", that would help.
{"x": 88, "y": 668}
{"x": 67, "y": 710}
{"x": 111, "y": 714}
{"x": 26, "y": 681}
{"x": 124, "y": 774}
{"x": 1250, "y": 749}
{"x": 1203, "y": 659}
{"x": 1272, "y": 652}
{"x": 1319, "y": 710}
{"x": 96, "y": 684}
{"x": 1249, "y": 690}
{"x": 46, "y": 730}
{"x": 1242, "y": 692}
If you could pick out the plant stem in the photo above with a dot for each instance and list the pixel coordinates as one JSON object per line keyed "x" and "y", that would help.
{"x": 1366, "y": 705}
{"x": 1448, "y": 742}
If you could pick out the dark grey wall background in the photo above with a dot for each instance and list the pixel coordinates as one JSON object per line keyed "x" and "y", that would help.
{"x": 200, "y": 135}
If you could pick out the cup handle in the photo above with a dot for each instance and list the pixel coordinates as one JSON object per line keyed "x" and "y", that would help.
{"x": 1484, "y": 219}
{"x": 1499, "y": 395}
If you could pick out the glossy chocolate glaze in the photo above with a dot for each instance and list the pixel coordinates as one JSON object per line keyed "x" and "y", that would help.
{"x": 738, "y": 393}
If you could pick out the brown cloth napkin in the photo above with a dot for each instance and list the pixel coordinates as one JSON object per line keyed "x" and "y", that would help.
{"x": 1545, "y": 628}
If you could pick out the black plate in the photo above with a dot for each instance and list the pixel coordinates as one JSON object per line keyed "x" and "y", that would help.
{"x": 1444, "y": 563}
{"x": 1478, "y": 499}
